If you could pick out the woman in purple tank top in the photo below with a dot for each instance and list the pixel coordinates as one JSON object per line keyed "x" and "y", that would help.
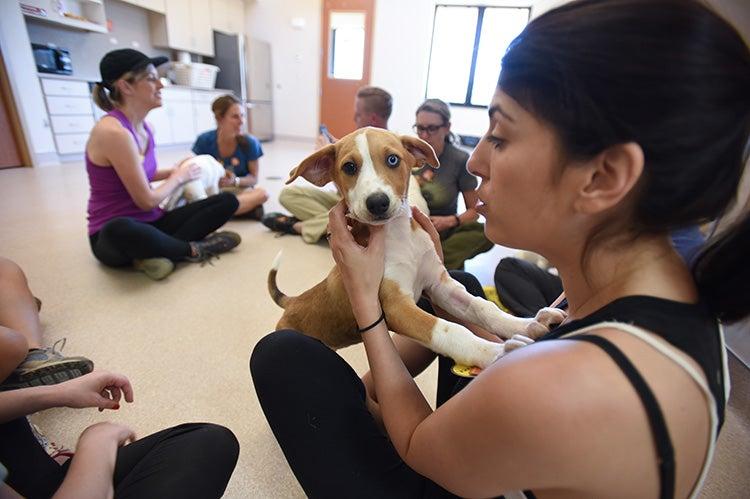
{"x": 126, "y": 226}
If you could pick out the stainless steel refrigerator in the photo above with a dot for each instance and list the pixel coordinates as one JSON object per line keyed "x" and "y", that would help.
{"x": 245, "y": 69}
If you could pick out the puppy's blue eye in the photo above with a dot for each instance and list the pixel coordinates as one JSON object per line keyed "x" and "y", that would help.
{"x": 349, "y": 168}
{"x": 393, "y": 160}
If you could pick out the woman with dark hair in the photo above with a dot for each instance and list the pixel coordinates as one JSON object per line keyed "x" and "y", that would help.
{"x": 461, "y": 236}
{"x": 613, "y": 123}
{"x": 238, "y": 152}
{"x": 126, "y": 225}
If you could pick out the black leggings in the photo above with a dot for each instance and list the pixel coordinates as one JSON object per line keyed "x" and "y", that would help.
{"x": 525, "y": 288}
{"x": 315, "y": 404}
{"x": 190, "y": 460}
{"x": 123, "y": 239}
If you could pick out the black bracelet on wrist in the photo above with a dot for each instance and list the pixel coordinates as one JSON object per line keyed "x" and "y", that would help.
{"x": 458, "y": 220}
{"x": 365, "y": 329}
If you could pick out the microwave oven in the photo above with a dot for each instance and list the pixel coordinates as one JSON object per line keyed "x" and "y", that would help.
{"x": 52, "y": 59}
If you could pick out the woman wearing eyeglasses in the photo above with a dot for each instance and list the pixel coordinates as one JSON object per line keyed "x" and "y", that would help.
{"x": 461, "y": 236}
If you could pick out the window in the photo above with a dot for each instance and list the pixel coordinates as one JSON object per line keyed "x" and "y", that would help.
{"x": 347, "y": 45}
{"x": 468, "y": 44}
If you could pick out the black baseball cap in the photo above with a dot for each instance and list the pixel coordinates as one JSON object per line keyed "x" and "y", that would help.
{"x": 118, "y": 62}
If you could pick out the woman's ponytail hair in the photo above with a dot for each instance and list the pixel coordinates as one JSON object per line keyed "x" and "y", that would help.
{"x": 101, "y": 97}
{"x": 107, "y": 95}
{"x": 720, "y": 272}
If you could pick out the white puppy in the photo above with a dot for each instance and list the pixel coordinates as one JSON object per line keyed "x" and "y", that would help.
{"x": 202, "y": 187}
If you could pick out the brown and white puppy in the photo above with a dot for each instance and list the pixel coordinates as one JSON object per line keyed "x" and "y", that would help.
{"x": 371, "y": 168}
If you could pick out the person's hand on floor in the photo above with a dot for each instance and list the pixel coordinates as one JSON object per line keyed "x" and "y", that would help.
{"x": 100, "y": 389}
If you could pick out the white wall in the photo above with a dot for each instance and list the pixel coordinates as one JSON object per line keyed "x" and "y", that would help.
{"x": 27, "y": 91}
{"x": 295, "y": 61}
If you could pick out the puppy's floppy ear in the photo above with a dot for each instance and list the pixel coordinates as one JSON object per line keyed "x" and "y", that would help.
{"x": 421, "y": 150}
{"x": 317, "y": 167}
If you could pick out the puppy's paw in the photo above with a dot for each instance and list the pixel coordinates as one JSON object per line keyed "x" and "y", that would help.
{"x": 541, "y": 323}
{"x": 517, "y": 341}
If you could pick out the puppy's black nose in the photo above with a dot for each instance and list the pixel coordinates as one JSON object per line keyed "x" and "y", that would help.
{"x": 378, "y": 203}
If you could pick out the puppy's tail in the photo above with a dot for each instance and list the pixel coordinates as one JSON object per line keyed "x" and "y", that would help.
{"x": 277, "y": 296}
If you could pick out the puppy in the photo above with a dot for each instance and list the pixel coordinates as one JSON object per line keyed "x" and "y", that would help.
{"x": 202, "y": 187}
{"x": 371, "y": 168}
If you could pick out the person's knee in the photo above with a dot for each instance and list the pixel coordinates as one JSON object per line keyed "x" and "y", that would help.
{"x": 262, "y": 193}
{"x": 468, "y": 281}
{"x": 229, "y": 200}
{"x": 284, "y": 351}
{"x": 284, "y": 196}
{"x": 11, "y": 274}
{"x": 221, "y": 440}
{"x": 13, "y": 350}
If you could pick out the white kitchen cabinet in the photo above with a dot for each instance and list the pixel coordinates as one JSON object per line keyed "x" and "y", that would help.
{"x": 173, "y": 123}
{"x": 72, "y": 124}
{"x": 68, "y": 105}
{"x": 71, "y": 143}
{"x": 158, "y": 120}
{"x": 86, "y": 15}
{"x": 152, "y": 5}
{"x": 228, "y": 16}
{"x": 185, "y": 25}
{"x": 203, "y": 117}
{"x": 71, "y": 114}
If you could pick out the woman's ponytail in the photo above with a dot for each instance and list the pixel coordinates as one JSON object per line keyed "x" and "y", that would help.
{"x": 101, "y": 97}
{"x": 722, "y": 272}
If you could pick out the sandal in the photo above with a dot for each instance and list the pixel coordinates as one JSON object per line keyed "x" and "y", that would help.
{"x": 278, "y": 222}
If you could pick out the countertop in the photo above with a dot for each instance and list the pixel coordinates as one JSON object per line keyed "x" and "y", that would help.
{"x": 94, "y": 80}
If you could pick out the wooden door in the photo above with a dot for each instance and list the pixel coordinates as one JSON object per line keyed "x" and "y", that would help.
{"x": 345, "y": 65}
{"x": 12, "y": 146}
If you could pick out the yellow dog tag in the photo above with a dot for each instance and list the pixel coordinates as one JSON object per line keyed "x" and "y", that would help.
{"x": 465, "y": 371}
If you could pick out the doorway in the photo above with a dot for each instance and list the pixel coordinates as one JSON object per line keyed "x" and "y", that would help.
{"x": 12, "y": 146}
{"x": 345, "y": 65}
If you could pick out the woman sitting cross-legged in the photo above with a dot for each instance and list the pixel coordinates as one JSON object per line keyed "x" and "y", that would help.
{"x": 126, "y": 225}
{"x": 238, "y": 152}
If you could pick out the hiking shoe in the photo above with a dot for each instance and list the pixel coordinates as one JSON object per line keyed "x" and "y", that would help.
{"x": 155, "y": 268}
{"x": 213, "y": 245}
{"x": 278, "y": 222}
{"x": 47, "y": 366}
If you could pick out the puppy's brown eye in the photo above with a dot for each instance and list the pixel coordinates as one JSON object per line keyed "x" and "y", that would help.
{"x": 349, "y": 168}
{"x": 393, "y": 160}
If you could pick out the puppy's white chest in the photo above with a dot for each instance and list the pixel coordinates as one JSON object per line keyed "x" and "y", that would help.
{"x": 410, "y": 257}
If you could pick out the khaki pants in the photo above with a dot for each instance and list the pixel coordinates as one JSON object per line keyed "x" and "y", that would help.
{"x": 463, "y": 243}
{"x": 311, "y": 205}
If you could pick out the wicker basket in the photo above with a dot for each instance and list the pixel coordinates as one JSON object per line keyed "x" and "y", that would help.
{"x": 195, "y": 74}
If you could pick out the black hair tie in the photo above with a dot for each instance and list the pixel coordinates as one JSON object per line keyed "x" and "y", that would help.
{"x": 365, "y": 329}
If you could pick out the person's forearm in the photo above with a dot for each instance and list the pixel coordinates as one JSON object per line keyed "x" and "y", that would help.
{"x": 402, "y": 405}
{"x": 24, "y": 401}
{"x": 162, "y": 174}
{"x": 248, "y": 180}
{"x": 161, "y": 192}
{"x": 90, "y": 472}
{"x": 415, "y": 357}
